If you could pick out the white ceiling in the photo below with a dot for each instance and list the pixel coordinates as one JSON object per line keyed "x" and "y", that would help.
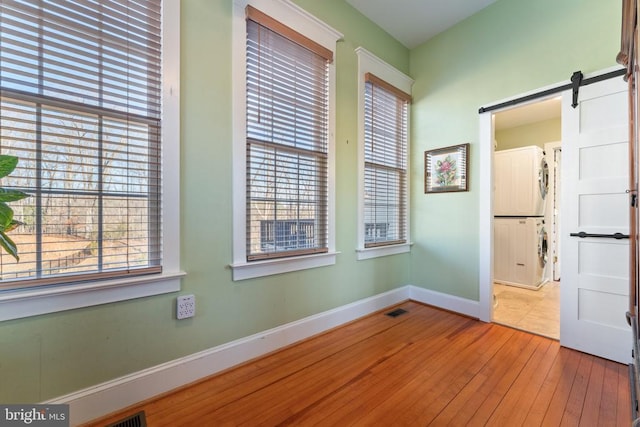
{"x": 412, "y": 22}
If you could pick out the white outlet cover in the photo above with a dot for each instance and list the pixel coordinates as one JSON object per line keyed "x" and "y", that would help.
{"x": 186, "y": 306}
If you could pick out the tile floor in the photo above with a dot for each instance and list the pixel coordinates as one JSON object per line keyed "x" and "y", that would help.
{"x": 533, "y": 311}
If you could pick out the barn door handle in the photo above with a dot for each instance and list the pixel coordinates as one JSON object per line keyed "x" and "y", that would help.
{"x": 617, "y": 236}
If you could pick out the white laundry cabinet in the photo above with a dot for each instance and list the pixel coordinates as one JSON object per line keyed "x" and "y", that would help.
{"x": 519, "y": 251}
{"x": 520, "y": 181}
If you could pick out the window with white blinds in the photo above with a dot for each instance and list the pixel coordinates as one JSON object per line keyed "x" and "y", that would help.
{"x": 385, "y": 163}
{"x": 81, "y": 108}
{"x": 287, "y": 137}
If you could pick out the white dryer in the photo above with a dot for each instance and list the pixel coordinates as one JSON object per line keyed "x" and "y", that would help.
{"x": 521, "y": 182}
{"x": 520, "y": 254}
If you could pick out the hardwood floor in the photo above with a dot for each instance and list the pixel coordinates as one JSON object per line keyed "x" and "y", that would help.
{"x": 425, "y": 367}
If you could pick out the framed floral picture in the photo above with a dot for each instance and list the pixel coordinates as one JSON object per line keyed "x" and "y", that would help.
{"x": 445, "y": 169}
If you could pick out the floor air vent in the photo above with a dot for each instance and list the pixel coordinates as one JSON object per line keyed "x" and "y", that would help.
{"x": 135, "y": 420}
{"x": 396, "y": 312}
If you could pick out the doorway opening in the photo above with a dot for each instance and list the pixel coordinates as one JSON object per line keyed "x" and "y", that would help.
{"x": 594, "y": 215}
{"x": 526, "y": 209}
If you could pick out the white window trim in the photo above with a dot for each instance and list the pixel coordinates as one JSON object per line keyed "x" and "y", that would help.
{"x": 369, "y": 63}
{"x": 306, "y": 24}
{"x": 19, "y": 303}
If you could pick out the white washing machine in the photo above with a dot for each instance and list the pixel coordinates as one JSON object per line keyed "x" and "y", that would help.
{"x": 520, "y": 252}
{"x": 521, "y": 182}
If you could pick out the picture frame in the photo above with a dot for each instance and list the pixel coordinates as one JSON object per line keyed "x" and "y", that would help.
{"x": 446, "y": 169}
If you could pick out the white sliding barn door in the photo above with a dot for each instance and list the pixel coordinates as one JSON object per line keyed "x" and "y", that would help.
{"x": 595, "y": 270}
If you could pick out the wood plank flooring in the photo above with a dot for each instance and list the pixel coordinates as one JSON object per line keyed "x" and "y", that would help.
{"x": 427, "y": 367}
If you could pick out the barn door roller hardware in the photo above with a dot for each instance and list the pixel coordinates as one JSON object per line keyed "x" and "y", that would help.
{"x": 577, "y": 80}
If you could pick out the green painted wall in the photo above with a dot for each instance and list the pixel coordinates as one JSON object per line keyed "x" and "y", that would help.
{"x": 511, "y": 47}
{"x": 47, "y": 356}
{"x": 537, "y": 133}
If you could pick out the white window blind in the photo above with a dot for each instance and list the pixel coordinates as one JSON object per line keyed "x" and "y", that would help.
{"x": 385, "y": 148}
{"x": 287, "y": 137}
{"x": 81, "y": 107}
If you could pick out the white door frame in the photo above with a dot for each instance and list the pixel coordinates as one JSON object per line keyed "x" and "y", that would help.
{"x": 485, "y": 204}
{"x": 552, "y": 240}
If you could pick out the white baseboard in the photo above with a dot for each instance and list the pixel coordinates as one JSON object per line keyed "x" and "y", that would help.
{"x": 448, "y": 302}
{"x": 111, "y": 396}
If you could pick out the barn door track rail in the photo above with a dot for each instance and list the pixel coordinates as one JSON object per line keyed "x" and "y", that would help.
{"x": 577, "y": 80}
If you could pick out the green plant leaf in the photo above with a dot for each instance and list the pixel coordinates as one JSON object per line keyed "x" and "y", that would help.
{"x": 7, "y": 223}
{"x": 9, "y": 195}
{"x": 13, "y": 225}
{"x": 7, "y": 164}
{"x": 6, "y": 216}
{"x": 9, "y": 245}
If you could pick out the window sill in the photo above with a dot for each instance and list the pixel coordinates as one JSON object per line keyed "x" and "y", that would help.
{"x": 380, "y": 251}
{"x": 16, "y": 304}
{"x": 251, "y": 270}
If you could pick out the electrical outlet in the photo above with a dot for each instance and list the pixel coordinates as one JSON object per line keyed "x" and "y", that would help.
{"x": 186, "y": 306}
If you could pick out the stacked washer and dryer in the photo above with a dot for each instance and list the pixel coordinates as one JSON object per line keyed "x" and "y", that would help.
{"x": 521, "y": 178}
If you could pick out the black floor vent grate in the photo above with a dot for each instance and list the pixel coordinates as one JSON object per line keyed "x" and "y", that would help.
{"x": 135, "y": 420}
{"x": 396, "y": 312}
